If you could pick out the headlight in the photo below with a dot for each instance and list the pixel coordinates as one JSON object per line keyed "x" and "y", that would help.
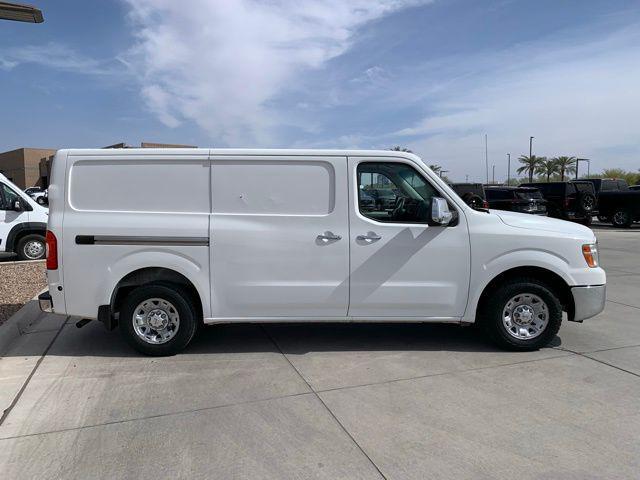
{"x": 590, "y": 253}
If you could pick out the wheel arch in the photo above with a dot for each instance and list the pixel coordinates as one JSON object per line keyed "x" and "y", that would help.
{"x": 149, "y": 276}
{"x": 542, "y": 274}
{"x": 22, "y": 229}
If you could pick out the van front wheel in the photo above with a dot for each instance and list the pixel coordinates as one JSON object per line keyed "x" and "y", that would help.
{"x": 31, "y": 247}
{"x": 522, "y": 314}
{"x": 158, "y": 319}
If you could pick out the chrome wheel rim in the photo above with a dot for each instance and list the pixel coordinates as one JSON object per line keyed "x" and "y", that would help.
{"x": 588, "y": 204}
{"x": 525, "y": 316}
{"x": 620, "y": 217}
{"x": 155, "y": 321}
{"x": 33, "y": 249}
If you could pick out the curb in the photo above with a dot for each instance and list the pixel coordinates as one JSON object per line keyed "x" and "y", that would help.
{"x": 19, "y": 323}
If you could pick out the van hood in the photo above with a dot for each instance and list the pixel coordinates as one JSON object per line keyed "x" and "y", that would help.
{"x": 540, "y": 223}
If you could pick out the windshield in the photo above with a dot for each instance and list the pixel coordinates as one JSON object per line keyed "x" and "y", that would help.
{"x": 529, "y": 194}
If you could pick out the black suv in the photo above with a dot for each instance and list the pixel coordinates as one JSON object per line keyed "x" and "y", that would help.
{"x": 516, "y": 199}
{"x": 473, "y": 194}
{"x": 574, "y": 200}
{"x": 607, "y": 184}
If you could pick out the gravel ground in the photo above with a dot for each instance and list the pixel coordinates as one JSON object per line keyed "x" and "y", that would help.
{"x": 19, "y": 283}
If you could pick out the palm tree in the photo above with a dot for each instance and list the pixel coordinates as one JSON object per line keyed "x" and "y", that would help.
{"x": 529, "y": 164}
{"x": 435, "y": 168}
{"x": 566, "y": 165}
{"x": 398, "y": 148}
{"x": 547, "y": 167}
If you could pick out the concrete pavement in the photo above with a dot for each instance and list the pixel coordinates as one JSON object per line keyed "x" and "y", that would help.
{"x": 332, "y": 401}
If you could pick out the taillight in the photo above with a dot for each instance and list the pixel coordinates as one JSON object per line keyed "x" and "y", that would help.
{"x": 52, "y": 251}
{"x": 566, "y": 202}
{"x": 485, "y": 204}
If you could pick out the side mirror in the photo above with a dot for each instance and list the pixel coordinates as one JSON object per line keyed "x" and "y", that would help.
{"x": 17, "y": 206}
{"x": 440, "y": 213}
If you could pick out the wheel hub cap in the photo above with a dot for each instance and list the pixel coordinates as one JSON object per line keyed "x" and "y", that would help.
{"x": 155, "y": 321}
{"x": 525, "y": 316}
{"x": 33, "y": 249}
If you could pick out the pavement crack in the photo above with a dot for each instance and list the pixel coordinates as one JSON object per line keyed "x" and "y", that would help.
{"x": 342, "y": 427}
{"x": 15, "y": 401}
{"x": 624, "y": 304}
{"x": 586, "y": 355}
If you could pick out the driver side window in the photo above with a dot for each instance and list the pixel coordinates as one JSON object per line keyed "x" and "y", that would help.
{"x": 393, "y": 192}
{"x": 7, "y": 197}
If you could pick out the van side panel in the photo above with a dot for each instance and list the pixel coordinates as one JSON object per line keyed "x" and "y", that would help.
{"x": 131, "y": 212}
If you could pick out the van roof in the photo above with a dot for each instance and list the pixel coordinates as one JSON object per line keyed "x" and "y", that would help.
{"x": 115, "y": 152}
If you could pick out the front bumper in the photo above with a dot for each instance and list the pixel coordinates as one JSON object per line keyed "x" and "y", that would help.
{"x": 588, "y": 301}
{"x": 45, "y": 302}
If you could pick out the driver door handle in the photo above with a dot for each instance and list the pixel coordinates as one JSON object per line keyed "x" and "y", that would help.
{"x": 369, "y": 236}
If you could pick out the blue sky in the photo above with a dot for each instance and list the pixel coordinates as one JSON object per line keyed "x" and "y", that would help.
{"x": 434, "y": 76}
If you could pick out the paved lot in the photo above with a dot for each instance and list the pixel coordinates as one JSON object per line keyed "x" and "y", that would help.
{"x": 332, "y": 401}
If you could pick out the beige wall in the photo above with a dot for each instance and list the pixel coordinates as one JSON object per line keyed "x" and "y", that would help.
{"x": 22, "y": 166}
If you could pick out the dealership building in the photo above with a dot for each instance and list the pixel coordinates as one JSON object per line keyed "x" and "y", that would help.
{"x": 31, "y": 167}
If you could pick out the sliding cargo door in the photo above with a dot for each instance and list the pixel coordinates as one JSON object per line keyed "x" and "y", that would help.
{"x": 279, "y": 237}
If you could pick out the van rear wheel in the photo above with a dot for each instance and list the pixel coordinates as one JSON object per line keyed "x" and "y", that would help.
{"x": 522, "y": 314}
{"x": 158, "y": 320}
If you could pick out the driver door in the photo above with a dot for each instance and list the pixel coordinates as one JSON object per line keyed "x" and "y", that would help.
{"x": 403, "y": 265}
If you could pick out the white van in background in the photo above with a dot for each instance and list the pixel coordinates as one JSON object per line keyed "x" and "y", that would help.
{"x": 159, "y": 241}
{"x": 23, "y": 223}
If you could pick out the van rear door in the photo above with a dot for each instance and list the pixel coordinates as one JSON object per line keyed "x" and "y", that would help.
{"x": 279, "y": 237}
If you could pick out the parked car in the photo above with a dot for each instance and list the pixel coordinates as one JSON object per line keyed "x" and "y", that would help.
{"x": 280, "y": 236}
{"x": 607, "y": 184}
{"x": 634, "y": 187}
{"x": 38, "y": 194}
{"x": 575, "y": 201}
{"x": 516, "y": 199}
{"x": 22, "y": 223}
{"x": 621, "y": 208}
{"x": 473, "y": 194}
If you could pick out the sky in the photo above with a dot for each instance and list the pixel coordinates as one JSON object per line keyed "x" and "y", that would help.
{"x": 434, "y": 76}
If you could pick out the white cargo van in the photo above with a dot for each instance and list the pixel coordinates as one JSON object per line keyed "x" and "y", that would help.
{"x": 160, "y": 241}
{"x": 23, "y": 223}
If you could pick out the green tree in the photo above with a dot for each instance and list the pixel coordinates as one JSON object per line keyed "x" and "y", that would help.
{"x": 566, "y": 166}
{"x": 529, "y": 165}
{"x": 398, "y": 148}
{"x": 436, "y": 168}
{"x": 547, "y": 167}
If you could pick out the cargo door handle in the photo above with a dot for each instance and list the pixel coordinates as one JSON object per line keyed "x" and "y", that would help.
{"x": 328, "y": 236}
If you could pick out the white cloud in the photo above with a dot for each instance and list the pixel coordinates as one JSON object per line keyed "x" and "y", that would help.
{"x": 53, "y": 55}
{"x": 575, "y": 99}
{"x": 220, "y": 63}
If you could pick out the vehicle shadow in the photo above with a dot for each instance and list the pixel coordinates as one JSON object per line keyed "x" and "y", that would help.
{"x": 92, "y": 340}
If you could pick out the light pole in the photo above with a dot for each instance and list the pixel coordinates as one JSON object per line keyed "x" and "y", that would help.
{"x": 508, "y": 169}
{"x": 493, "y": 175}
{"x": 578, "y": 160}
{"x": 486, "y": 157}
{"x": 466, "y": 178}
{"x": 531, "y": 146}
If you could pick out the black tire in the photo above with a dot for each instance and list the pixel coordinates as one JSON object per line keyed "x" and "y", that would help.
{"x": 491, "y": 314}
{"x": 40, "y": 201}
{"x": 31, "y": 247}
{"x": 184, "y": 306}
{"x": 621, "y": 218}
